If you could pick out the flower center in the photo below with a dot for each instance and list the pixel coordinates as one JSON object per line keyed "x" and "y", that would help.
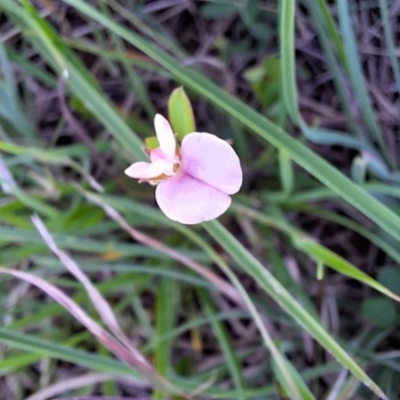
{"x": 162, "y": 177}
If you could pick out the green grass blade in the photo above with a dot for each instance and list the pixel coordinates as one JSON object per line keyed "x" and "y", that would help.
{"x": 349, "y": 224}
{"x": 328, "y": 34}
{"x": 289, "y": 86}
{"x": 272, "y": 286}
{"x": 332, "y": 29}
{"x": 317, "y": 251}
{"x": 383, "y": 7}
{"x": 61, "y": 352}
{"x": 221, "y": 334}
{"x": 77, "y": 78}
{"x": 290, "y": 381}
{"x": 286, "y": 172}
{"x": 288, "y": 73}
{"x": 357, "y": 78}
{"x": 166, "y": 308}
{"x": 323, "y": 255}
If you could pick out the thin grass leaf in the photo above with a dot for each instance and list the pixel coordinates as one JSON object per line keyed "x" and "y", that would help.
{"x": 286, "y": 172}
{"x": 221, "y": 334}
{"x": 357, "y": 78}
{"x": 323, "y": 193}
{"x": 100, "y": 304}
{"x": 278, "y": 292}
{"x": 289, "y": 86}
{"x": 7, "y": 182}
{"x": 384, "y": 7}
{"x": 166, "y": 309}
{"x": 328, "y": 34}
{"x": 330, "y": 259}
{"x": 59, "y": 351}
{"x": 317, "y": 251}
{"x": 133, "y": 76}
{"x": 122, "y": 352}
{"x": 348, "y": 223}
{"x": 78, "y": 79}
{"x": 242, "y": 299}
{"x": 70, "y": 384}
{"x": 332, "y": 30}
{"x": 223, "y": 286}
{"x": 10, "y": 104}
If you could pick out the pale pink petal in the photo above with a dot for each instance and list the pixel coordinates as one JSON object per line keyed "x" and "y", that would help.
{"x": 190, "y": 201}
{"x": 211, "y": 160}
{"x": 144, "y": 170}
{"x": 157, "y": 154}
{"x": 165, "y": 136}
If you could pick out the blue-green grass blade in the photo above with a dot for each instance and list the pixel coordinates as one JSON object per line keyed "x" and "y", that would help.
{"x": 289, "y": 86}
{"x": 222, "y": 335}
{"x": 357, "y": 77}
{"x": 383, "y": 7}
{"x": 328, "y": 34}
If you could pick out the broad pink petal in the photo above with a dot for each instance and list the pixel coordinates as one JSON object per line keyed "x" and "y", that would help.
{"x": 190, "y": 201}
{"x": 165, "y": 136}
{"x": 211, "y": 160}
{"x": 144, "y": 170}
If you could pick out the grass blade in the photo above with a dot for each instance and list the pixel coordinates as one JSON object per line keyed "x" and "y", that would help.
{"x": 273, "y": 287}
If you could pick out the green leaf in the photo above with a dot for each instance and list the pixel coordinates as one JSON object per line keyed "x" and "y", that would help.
{"x": 180, "y": 113}
{"x": 379, "y": 311}
{"x": 265, "y": 81}
{"x": 390, "y": 277}
{"x": 152, "y": 142}
{"x": 216, "y": 11}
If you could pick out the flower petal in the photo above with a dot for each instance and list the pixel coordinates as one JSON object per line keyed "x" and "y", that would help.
{"x": 211, "y": 160}
{"x": 144, "y": 170}
{"x": 157, "y": 154}
{"x": 165, "y": 136}
{"x": 190, "y": 201}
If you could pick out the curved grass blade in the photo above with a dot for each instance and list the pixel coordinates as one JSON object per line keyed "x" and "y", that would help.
{"x": 357, "y": 78}
{"x": 274, "y": 288}
{"x": 287, "y": 375}
{"x": 46, "y": 348}
{"x": 289, "y": 87}
{"x": 78, "y": 79}
{"x": 317, "y": 251}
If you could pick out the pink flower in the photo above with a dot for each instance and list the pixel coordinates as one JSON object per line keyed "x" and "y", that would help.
{"x": 193, "y": 180}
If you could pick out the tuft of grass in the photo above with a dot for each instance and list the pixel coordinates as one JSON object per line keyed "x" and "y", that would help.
{"x": 291, "y": 294}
